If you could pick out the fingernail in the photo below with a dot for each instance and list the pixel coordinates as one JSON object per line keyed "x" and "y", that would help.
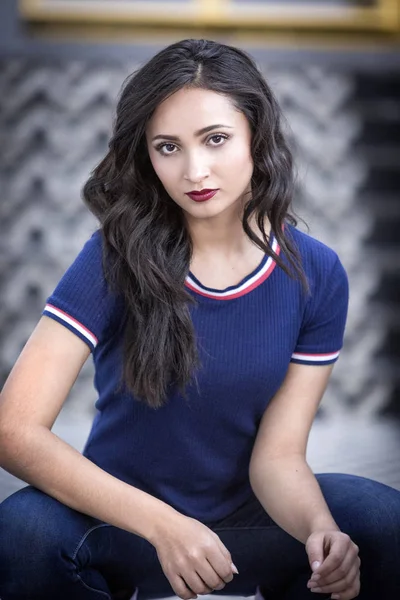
{"x": 234, "y": 569}
{"x": 315, "y": 577}
{"x": 335, "y": 597}
{"x": 315, "y": 589}
{"x": 315, "y": 565}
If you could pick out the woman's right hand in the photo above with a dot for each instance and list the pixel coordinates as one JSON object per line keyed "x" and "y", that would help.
{"x": 193, "y": 558}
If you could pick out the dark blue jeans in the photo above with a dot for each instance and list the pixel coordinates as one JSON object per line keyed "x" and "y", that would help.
{"x": 50, "y": 551}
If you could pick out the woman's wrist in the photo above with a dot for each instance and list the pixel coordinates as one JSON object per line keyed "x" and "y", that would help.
{"x": 323, "y": 522}
{"x": 160, "y": 521}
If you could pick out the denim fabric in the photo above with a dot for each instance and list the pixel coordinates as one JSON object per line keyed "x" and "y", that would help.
{"x": 50, "y": 551}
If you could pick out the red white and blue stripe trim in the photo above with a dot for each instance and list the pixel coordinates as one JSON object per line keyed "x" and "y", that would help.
{"x": 261, "y": 274}
{"x": 326, "y": 358}
{"x": 72, "y": 324}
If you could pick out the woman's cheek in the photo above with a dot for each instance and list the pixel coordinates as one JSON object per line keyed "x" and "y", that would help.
{"x": 162, "y": 172}
{"x": 240, "y": 156}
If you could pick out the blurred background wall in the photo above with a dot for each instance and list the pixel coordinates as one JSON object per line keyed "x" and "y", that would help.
{"x": 339, "y": 88}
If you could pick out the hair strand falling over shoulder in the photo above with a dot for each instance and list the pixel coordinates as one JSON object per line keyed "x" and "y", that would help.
{"x": 147, "y": 248}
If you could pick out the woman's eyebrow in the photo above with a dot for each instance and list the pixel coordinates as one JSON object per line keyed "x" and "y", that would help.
{"x": 197, "y": 133}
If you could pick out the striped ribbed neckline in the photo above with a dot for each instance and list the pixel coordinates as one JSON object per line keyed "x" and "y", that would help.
{"x": 249, "y": 283}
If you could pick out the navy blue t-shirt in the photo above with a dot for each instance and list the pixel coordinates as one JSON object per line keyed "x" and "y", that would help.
{"x": 194, "y": 453}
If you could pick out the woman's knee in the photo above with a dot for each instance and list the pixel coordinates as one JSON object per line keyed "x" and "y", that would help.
{"x": 369, "y": 512}
{"x": 38, "y": 537}
{"x": 31, "y": 521}
{"x": 362, "y": 504}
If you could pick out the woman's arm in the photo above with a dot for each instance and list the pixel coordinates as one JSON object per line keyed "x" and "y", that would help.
{"x": 279, "y": 474}
{"x": 193, "y": 558}
{"x": 29, "y": 404}
{"x": 288, "y": 490}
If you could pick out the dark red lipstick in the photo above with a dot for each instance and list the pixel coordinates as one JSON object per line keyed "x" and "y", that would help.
{"x": 202, "y": 195}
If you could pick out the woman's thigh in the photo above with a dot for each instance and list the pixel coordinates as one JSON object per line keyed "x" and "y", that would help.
{"x": 370, "y": 513}
{"x": 264, "y": 554}
{"x": 267, "y": 556}
{"x": 48, "y": 550}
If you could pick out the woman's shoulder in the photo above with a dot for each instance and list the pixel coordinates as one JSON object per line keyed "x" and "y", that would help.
{"x": 313, "y": 253}
{"x": 82, "y": 299}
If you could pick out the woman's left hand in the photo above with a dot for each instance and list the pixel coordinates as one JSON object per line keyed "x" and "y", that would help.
{"x": 339, "y": 570}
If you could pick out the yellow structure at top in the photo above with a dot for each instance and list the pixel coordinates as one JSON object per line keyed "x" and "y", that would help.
{"x": 378, "y": 16}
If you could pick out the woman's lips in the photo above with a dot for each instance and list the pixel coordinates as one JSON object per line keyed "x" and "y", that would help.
{"x": 202, "y": 197}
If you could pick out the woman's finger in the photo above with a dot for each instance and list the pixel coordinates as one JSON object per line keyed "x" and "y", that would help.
{"x": 340, "y": 585}
{"x": 225, "y": 552}
{"x": 223, "y": 548}
{"x": 195, "y": 583}
{"x": 351, "y": 593}
{"x": 210, "y": 577}
{"x": 180, "y": 588}
{"x": 351, "y": 560}
{"x": 337, "y": 552}
{"x": 220, "y": 564}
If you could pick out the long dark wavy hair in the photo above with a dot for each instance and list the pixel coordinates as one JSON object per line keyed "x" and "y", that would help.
{"x": 147, "y": 247}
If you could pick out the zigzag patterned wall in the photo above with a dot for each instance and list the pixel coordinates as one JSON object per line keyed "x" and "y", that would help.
{"x": 55, "y": 120}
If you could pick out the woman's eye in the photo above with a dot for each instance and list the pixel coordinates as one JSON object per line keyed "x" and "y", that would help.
{"x": 165, "y": 148}
{"x": 218, "y": 137}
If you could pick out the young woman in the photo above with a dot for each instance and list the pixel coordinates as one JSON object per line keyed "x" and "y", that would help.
{"x": 214, "y": 325}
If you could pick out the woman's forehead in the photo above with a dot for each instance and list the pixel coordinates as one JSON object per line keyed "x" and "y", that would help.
{"x": 191, "y": 109}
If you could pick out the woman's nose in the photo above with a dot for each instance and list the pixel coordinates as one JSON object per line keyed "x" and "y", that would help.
{"x": 196, "y": 169}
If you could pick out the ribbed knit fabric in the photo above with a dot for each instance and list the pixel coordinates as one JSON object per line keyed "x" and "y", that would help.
{"x": 195, "y": 454}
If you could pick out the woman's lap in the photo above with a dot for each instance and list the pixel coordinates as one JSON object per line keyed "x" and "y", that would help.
{"x": 51, "y": 551}
{"x": 365, "y": 509}
{"x": 47, "y": 544}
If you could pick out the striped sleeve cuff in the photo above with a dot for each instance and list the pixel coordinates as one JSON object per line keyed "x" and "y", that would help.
{"x": 72, "y": 324}
{"x": 314, "y": 359}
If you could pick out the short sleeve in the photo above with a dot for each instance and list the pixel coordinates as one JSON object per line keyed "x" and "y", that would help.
{"x": 321, "y": 335}
{"x": 82, "y": 301}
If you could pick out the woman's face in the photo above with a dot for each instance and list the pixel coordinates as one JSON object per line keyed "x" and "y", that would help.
{"x": 188, "y": 159}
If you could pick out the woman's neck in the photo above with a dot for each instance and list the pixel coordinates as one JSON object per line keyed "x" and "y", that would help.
{"x": 223, "y": 236}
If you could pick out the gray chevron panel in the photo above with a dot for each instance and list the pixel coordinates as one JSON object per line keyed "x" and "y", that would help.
{"x": 55, "y": 119}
